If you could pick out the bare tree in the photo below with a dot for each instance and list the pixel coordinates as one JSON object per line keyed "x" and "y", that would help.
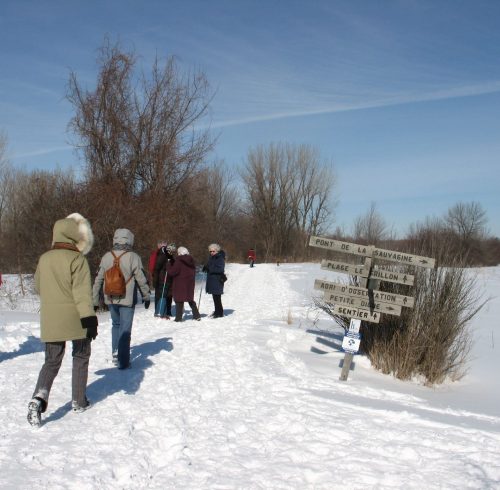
{"x": 141, "y": 133}
{"x": 467, "y": 221}
{"x": 222, "y": 198}
{"x": 288, "y": 194}
{"x": 313, "y": 184}
{"x": 5, "y": 177}
{"x": 35, "y": 201}
{"x": 370, "y": 228}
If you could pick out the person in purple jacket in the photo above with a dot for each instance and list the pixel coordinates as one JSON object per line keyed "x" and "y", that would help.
{"x": 183, "y": 271}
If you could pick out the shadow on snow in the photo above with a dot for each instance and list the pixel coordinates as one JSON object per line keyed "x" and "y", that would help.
{"x": 114, "y": 380}
{"x": 29, "y": 346}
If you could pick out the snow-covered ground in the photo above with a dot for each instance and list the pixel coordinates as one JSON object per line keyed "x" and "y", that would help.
{"x": 249, "y": 401}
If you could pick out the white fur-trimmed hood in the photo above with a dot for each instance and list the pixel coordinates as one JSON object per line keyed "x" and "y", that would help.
{"x": 74, "y": 229}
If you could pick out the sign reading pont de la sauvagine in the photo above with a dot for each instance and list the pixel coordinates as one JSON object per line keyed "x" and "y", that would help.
{"x": 366, "y": 302}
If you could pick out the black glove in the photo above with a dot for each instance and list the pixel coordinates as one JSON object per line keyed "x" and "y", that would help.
{"x": 147, "y": 302}
{"x": 205, "y": 269}
{"x": 96, "y": 308}
{"x": 90, "y": 323}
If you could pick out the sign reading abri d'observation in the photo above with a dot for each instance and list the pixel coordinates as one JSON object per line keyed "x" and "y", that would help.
{"x": 357, "y": 292}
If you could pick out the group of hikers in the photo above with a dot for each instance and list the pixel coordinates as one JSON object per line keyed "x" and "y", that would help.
{"x": 69, "y": 302}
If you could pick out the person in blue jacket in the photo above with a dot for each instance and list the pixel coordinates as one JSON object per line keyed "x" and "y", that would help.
{"x": 216, "y": 277}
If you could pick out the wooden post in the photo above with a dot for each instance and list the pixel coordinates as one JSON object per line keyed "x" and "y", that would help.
{"x": 348, "y": 357}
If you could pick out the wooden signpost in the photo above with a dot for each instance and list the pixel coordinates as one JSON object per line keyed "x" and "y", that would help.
{"x": 365, "y": 302}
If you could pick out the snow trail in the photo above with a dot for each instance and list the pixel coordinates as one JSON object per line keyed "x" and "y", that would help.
{"x": 234, "y": 402}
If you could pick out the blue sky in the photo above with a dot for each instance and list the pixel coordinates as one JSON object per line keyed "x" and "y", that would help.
{"x": 402, "y": 97}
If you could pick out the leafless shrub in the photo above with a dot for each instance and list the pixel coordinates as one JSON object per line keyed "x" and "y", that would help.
{"x": 432, "y": 340}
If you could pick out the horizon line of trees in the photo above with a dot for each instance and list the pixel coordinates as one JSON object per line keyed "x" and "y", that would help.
{"x": 145, "y": 144}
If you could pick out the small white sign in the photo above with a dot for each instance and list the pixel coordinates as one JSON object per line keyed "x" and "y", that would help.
{"x": 354, "y": 325}
{"x": 351, "y": 343}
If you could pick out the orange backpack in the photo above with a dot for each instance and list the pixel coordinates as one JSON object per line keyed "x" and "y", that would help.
{"x": 114, "y": 281}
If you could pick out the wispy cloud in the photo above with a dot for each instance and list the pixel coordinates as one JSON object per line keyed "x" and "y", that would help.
{"x": 442, "y": 94}
{"x": 42, "y": 151}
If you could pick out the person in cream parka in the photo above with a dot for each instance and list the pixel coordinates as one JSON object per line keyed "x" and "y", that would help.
{"x": 62, "y": 279}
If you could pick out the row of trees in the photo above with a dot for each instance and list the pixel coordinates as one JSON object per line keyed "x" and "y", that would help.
{"x": 145, "y": 144}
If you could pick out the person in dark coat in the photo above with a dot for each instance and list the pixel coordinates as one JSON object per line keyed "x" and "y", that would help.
{"x": 215, "y": 277}
{"x": 152, "y": 260}
{"x": 162, "y": 282}
{"x": 183, "y": 272}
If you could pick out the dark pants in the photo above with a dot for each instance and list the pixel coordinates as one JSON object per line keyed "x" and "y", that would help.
{"x": 218, "y": 305}
{"x": 54, "y": 353}
{"x": 179, "y": 310}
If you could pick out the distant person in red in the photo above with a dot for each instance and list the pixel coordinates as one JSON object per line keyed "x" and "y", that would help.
{"x": 251, "y": 257}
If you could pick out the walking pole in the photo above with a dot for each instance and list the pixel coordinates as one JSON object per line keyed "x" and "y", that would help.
{"x": 199, "y": 299}
{"x": 163, "y": 299}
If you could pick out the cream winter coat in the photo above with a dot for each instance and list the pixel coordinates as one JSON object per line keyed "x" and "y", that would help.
{"x": 62, "y": 279}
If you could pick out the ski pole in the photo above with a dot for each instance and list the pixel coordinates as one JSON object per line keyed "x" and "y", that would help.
{"x": 199, "y": 299}
{"x": 163, "y": 299}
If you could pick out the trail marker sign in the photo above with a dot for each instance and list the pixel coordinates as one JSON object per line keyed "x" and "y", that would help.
{"x": 365, "y": 302}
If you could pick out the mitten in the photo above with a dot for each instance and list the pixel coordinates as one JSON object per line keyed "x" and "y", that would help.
{"x": 205, "y": 269}
{"x": 147, "y": 302}
{"x": 90, "y": 324}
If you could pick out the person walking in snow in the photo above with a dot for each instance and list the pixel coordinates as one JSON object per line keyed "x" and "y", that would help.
{"x": 152, "y": 260}
{"x": 252, "y": 257}
{"x": 216, "y": 277}
{"x": 122, "y": 308}
{"x": 62, "y": 279}
{"x": 162, "y": 282}
{"x": 183, "y": 272}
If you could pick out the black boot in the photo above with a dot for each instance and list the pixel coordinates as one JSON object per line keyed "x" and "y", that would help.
{"x": 179, "y": 311}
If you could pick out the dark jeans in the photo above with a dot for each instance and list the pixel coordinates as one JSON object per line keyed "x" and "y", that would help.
{"x": 54, "y": 353}
{"x": 179, "y": 310}
{"x": 218, "y": 305}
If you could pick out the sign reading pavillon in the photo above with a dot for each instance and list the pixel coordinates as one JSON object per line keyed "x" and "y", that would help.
{"x": 365, "y": 302}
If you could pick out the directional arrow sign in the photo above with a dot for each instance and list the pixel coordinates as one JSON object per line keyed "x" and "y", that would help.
{"x": 357, "y": 292}
{"x": 355, "y": 270}
{"x": 364, "y": 303}
{"x": 346, "y": 247}
{"x": 403, "y": 258}
{"x": 353, "y": 312}
{"x": 391, "y": 276}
